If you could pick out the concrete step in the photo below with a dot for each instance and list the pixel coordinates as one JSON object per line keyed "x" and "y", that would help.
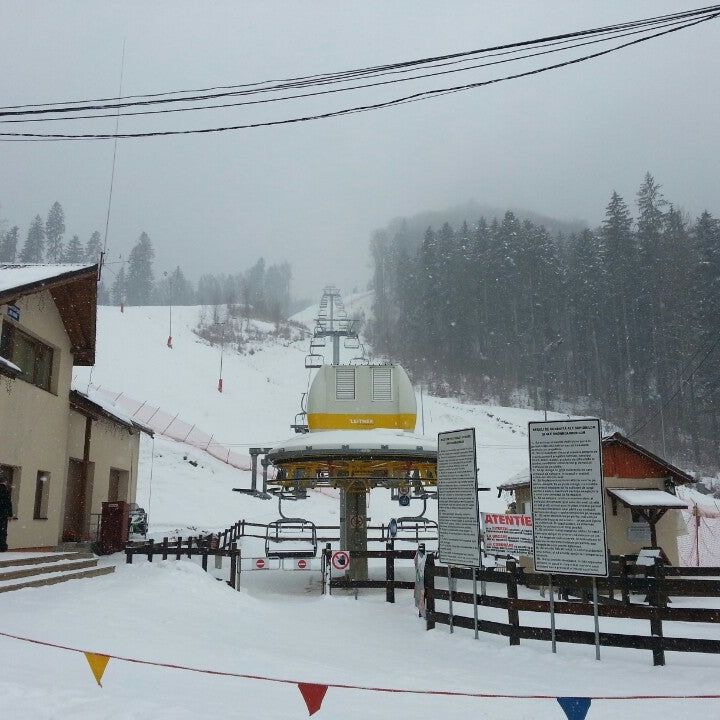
{"x": 54, "y": 578}
{"x": 13, "y": 559}
{"x": 58, "y": 566}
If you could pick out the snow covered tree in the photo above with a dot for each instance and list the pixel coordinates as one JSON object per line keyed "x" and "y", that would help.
{"x": 74, "y": 252}
{"x": 93, "y": 248}
{"x": 118, "y": 291}
{"x": 34, "y": 246}
{"x": 8, "y": 245}
{"x": 54, "y": 231}
{"x": 140, "y": 280}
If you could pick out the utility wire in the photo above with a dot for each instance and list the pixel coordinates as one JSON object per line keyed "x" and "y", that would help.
{"x": 332, "y": 91}
{"x": 415, "y": 97}
{"x": 404, "y": 65}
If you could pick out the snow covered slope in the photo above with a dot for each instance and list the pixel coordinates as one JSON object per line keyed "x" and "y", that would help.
{"x": 262, "y": 390}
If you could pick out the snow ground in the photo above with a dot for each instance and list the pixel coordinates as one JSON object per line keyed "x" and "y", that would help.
{"x": 278, "y": 624}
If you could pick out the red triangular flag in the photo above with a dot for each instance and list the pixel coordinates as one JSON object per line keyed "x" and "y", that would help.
{"x": 313, "y": 695}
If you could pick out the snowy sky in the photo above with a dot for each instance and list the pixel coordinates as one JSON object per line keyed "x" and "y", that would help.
{"x": 557, "y": 143}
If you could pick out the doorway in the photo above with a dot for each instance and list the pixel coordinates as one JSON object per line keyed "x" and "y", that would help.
{"x": 77, "y": 502}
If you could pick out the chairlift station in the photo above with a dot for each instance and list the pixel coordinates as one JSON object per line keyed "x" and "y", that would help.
{"x": 357, "y": 434}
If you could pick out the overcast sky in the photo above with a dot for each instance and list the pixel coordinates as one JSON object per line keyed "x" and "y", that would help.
{"x": 557, "y": 143}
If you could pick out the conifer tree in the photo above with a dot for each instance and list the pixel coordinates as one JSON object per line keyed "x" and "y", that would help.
{"x": 93, "y": 248}
{"x": 54, "y": 231}
{"x": 74, "y": 252}
{"x": 8, "y": 245}
{"x": 118, "y": 292}
{"x": 34, "y": 247}
{"x": 140, "y": 279}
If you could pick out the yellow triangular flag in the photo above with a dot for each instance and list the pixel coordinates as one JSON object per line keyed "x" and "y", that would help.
{"x": 97, "y": 663}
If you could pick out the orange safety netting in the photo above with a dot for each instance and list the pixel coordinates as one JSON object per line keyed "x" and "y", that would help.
{"x": 173, "y": 427}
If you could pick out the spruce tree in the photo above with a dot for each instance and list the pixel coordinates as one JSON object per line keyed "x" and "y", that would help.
{"x": 93, "y": 248}
{"x": 34, "y": 246}
{"x": 74, "y": 252}
{"x": 54, "y": 231}
{"x": 140, "y": 280}
{"x": 118, "y": 291}
{"x": 8, "y": 245}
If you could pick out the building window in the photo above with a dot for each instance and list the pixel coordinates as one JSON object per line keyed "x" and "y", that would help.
{"x": 118, "y": 487}
{"x": 382, "y": 384}
{"x": 33, "y": 357}
{"x": 345, "y": 383}
{"x": 42, "y": 493}
{"x": 11, "y": 476}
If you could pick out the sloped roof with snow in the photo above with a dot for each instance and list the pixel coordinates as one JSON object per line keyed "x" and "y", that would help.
{"x": 647, "y": 498}
{"x": 74, "y": 291}
{"x": 94, "y": 404}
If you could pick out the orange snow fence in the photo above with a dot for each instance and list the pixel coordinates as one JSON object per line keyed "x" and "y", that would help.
{"x": 173, "y": 427}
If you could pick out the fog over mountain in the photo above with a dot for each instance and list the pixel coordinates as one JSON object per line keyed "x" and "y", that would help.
{"x": 314, "y": 193}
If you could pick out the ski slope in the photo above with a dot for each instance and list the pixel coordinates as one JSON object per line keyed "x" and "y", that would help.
{"x": 278, "y": 625}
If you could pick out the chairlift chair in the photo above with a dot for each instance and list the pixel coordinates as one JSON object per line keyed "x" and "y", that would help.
{"x": 352, "y": 343}
{"x": 314, "y": 361}
{"x": 289, "y": 537}
{"x": 410, "y": 524}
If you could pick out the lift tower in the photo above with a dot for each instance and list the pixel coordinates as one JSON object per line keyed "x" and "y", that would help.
{"x": 331, "y": 322}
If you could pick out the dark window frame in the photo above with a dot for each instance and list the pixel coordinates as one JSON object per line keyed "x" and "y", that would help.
{"x": 42, "y": 495}
{"x": 43, "y": 356}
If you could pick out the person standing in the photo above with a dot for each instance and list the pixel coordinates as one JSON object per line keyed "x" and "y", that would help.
{"x": 6, "y": 512}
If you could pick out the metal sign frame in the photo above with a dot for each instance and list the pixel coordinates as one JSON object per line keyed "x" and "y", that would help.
{"x": 468, "y": 495}
{"x": 567, "y": 429}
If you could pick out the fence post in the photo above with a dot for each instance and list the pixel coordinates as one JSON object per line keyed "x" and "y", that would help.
{"x": 624, "y": 580}
{"x": 190, "y": 540}
{"x": 128, "y": 555}
{"x": 429, "y": 583}
{"x": 658, "y": 598}
{"x": 179, "y": 548}
{"x": 390, "y": 572}
{"x": 165, "y": 548}
{"x": 233, "y": 566}
{"x": 150, "y": 550}
{"x": 512, "y": 593}
{"x": 204, "y": 558}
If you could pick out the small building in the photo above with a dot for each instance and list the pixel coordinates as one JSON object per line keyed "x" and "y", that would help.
{"x": 641, "y": 508}
{"x": 62, "y": 452}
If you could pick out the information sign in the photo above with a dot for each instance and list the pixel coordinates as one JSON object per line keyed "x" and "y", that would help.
{"x": 458, "y": 518}
{"x": 568, "y": 504}
{"x": 506, "y": 534}
{"x": 340, "y": 560}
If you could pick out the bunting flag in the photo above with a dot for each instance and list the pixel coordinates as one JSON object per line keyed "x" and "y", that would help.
{"x": 575, "y": 708}
{"x": 313, "y": 695}
{"x": 97, "y": 663}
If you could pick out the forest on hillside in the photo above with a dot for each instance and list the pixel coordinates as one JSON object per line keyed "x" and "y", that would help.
{"x": 621, "y": 321}
{"x": 261, "y": 291}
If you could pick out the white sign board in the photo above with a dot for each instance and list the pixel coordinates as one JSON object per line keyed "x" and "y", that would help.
{"x": 568, "y": 503}
{"x": 506, "y": 534}
{"x": 639, "y": 532}
{"x": 458, "y": 519}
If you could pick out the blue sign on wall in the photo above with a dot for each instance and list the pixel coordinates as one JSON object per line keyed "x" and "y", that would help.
{"x": 13, "y": 311}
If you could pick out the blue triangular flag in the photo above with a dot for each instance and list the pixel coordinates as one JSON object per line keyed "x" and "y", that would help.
{"x": 575, "y": 708}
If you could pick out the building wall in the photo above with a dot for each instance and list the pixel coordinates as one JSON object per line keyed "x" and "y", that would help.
{"x": 34, "y": 425}
{"x": 112, "y": 447}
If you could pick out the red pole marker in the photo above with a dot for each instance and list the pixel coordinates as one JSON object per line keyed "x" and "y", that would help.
{"x": 220, "y": 385}
{"x": 169, "y": 342}
{"x": 122, "y": 307}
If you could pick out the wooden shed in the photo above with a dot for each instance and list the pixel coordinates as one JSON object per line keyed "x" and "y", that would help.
{"x": 641, "y": 508}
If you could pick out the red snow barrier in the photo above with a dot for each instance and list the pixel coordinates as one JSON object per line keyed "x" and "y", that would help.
{"x": 173, "y": 427}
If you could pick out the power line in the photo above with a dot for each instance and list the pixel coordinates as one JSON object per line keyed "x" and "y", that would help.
{"x": 320, "y": 92}
{"x": 415, "y": 97}
{"x": 404, "y": 65}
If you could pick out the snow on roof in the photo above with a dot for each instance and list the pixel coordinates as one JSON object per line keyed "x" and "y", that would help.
{"x": 111, "y": 409}
{"x": 8, "y": 364}
{"x": 647, "y": 498}
{"x": 17, "y": 275}
{"x": 380, "y": 439}
{"x": 519, "y": 479}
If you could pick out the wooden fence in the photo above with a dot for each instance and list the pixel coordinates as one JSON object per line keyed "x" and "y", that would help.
{"x": 205, "y": 546}
{"x": 656, "y": 584}
{"x": 390, "y": 584}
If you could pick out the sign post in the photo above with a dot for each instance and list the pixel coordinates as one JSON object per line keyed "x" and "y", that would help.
{"x": 568, "y": 501}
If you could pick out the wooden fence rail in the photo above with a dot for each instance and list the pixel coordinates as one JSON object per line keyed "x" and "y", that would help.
{"x": 204, "y": 546}
{"x": 654, "y": 585}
